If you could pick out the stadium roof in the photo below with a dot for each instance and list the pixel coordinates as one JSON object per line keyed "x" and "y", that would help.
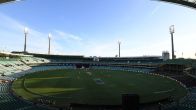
{"x": 189, "y": 3}
{"x": 5, "y": 1}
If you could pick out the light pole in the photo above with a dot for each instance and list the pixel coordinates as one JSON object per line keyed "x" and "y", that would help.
{"x": 119, "y": 48}
{"x": 25, "y": 44}
{"x": 171, "y": 29}
{"x": 49, "y": 38}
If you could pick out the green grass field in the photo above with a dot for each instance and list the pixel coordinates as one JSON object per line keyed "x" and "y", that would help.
{"x": 95, "y": 86}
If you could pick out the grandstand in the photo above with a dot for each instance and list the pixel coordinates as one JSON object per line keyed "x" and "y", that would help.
{"x": 14, "y": 66}
{"x": 10, "y": 102}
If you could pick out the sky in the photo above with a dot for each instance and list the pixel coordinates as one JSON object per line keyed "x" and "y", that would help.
{"x": 94, "y": 27}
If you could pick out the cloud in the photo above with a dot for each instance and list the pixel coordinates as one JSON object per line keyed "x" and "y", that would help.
{"x": 67, "y": 36}
{"x": 12, "y": 37}
{"x": 155, "y": 10}
{"x": 10, "y": 23}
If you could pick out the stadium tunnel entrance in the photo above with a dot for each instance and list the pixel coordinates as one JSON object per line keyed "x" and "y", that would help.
{"x": 80, "y": 65}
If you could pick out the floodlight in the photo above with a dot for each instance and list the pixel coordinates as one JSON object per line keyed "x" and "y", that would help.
{"x": 49, "y": 35}
{"x": 119, "y": 42}
{"x": 25, "y": 44}
{"x": 171, "y": 29}
{"x": 26, "y": 30}
{"x": 49, "y": 38}
{"x": 119, "y": 48}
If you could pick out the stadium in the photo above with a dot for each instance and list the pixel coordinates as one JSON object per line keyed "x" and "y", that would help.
{"x": 36, "y": 81}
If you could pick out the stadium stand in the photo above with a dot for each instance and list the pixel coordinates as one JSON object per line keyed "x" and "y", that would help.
{"x": 187, "y": 103}
{"x": 10, "y": 69}
{"x": 10, "y": 102}
{"x": 182, "y": 70}
{"x": 13, "y": 67}
{"x": 33, "y": 60}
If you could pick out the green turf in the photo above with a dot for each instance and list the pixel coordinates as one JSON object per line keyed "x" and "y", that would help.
{"x": 95, "y": 86}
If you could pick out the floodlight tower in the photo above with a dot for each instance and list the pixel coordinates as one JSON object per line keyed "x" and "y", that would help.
{"x": 49, "y": 38}
{"x": 25, "y": 44}
{"x": 171, "y": 29}
{"x": 119, "y": 48}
